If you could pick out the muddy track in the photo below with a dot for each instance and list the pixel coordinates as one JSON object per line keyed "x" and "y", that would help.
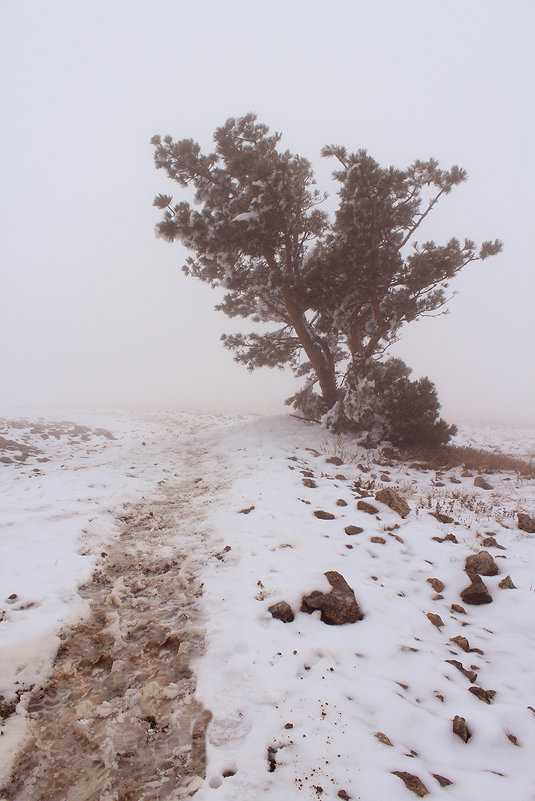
{"x": 118, "y": 719}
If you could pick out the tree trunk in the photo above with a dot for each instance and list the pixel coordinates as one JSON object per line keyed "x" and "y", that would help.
{"x": 319, "y": 355}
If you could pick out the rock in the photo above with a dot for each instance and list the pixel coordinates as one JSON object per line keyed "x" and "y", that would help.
{"x": 526, "y": 523}
{"x": 513, "y": 739}
{"x": 442, "y": 780}
{"x": 412, "y": 783}
{"x": 351, "y": 530}
{"x": 338, "y": 606}
{"x": 442, "y": 518}
{"x": 436, "y": 584}
{"x": 447, "y": 538}
{"x": 341, "y": 502}
{"x": 344, "y": 795}
{"x": 482, "y": 483}
{"x": 310, "y": 483}
{"x": 282, "y": 611}
{"x": 392, "y": 499}
{"x": 334, "y": 460}
{"x": 481, "y": 563}
{"x": 455, "y": 480}
{"x": 246, "y": 511}
{"x": 462, "y": 642}
{"x": 340, "y": 477}
{"x": 321, "y": 515}
{"x": 460, "y": 728}
{"x": 507, "y": 584}
{"x": 470, "y": 674}
{"x": 436, "y": 620}
{"x": 483, "y": 695}
{"x": 490, "y": 542}
{"x": 307, "y": 473}
{"x": 383, "y": 738}
{"x": 458, "y": 609}
{"x": 477, "y": 592}
{"x": 367, "y": 507}
{"x": 378, "y": 540}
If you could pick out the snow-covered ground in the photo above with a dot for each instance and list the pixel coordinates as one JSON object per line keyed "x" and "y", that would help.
{"x": 303, "y": 709}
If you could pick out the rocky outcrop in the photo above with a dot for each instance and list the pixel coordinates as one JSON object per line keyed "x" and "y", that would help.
{"x": 392, "y": 499}
{"x": 338, "y": 606}
{"x": 482, "y": 483}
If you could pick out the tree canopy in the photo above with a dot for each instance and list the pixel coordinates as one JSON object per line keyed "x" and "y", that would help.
{"x": 336, "y": 291}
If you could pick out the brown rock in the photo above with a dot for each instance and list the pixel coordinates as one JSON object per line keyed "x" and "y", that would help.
{"x": 378, "y": 540}
{"x": 282, "y": 611}
{"x": 526, "y": 523}
{"x": 436, "y": 620}
{"x": 507, "y": 584}
{"x": 392, "y": 499}
{"x": 351, "y": 530}
{"x": 460, "y": 728}
{"x": 436, "y": 584}
{"x": 340, "y": 477}
{"x": 321, "y": 515}
{"x": 341, "y": 502}
{"x": 457, "y": 608}
{"x": 367, "y": 507}
{"x": 476, "y": 593}
{"x": 483, "y": 695}
{"x": 412, "y": 783}
{"x": 442, "y": 780}
{"x": 338, "y": 606}
{"x": 462, "y": 642}
{"x": 490, "y": 542}
{"x": 383, "y": 738}
{"x": 447, "y": 538}
{"x": 344, "y": 795}
{"x": 482, "y": 483}
{"x": 310, "y": 483}
{"x": 513, "y": 739}
{"x": 307, "y": 473}
{"x": 442, "y": 518}
{"x": 246, "y": 511}
{"x": 455, "y": 480}
{"x": 334, "y": 460}
{"x": 385, "y": 478}
{"x": 481, "y": 563}
{"x": 470, "y": 674}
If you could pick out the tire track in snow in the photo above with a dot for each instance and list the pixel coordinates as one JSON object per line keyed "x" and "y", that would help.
{"x": 118, "y": 719}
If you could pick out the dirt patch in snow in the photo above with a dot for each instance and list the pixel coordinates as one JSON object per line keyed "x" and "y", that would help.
{"x": 118, "y": 718}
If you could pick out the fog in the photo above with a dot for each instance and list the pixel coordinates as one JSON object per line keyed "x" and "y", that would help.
{"x": 95, "y": 311}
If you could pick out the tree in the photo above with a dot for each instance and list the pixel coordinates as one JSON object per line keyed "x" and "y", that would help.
{"x": 339, "y": 290}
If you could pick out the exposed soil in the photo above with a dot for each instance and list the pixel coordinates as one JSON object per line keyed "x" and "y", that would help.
{"x": 118, "y": 719}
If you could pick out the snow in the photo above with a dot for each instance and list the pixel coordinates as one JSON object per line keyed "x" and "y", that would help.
{"x": 316, "y": 695}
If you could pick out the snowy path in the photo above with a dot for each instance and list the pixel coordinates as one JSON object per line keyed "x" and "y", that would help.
{"x": 118, "y": 718}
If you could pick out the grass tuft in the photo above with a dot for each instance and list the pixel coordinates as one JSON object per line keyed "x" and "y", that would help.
{"x": 449, "y": 456}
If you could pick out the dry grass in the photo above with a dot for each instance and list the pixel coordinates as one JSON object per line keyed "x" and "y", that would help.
{"x": 449, "y": 456}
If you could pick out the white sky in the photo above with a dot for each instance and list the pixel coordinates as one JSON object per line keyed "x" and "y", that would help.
{"x": 95, "y": 311}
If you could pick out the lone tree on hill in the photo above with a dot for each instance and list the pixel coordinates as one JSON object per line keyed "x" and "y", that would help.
{"x": 339, "y": 291}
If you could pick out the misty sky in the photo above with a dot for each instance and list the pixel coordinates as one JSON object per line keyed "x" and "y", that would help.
{"x": 95, "y": 310}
